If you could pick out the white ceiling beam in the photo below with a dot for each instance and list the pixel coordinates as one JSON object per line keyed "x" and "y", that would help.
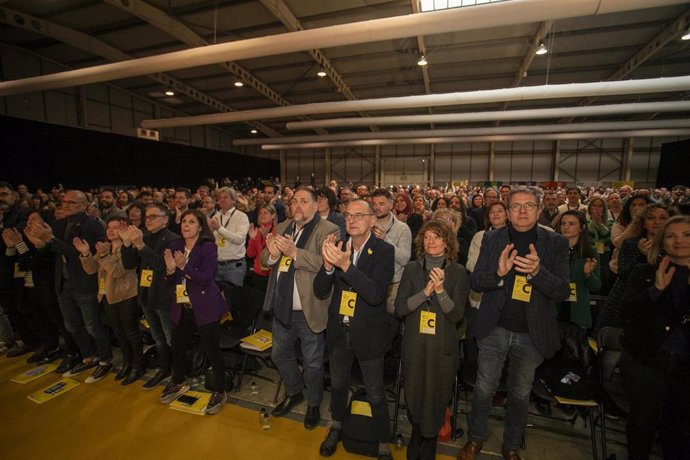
{"x": 494, "y": 138}
{"x": 653, "y": 85}
{"x": 97, "y": 47}
{"x": 476, "y": 17}
{"x": 547, "y": 128}
{"x": 526, "y": 114}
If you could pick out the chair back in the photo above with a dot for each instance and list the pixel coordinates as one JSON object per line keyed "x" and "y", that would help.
{"x": 609, "y": 353}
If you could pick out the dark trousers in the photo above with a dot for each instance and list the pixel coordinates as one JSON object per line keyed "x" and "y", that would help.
{"x": 209, "y": 335}
{"x": 124, "y": 319}
{"x": 659, "y": 396}
{"x": 46, "y": 320}
{"x": 419, "y": 447}
{"x": 341, "y": 359}
{"x": 12, "y": 303}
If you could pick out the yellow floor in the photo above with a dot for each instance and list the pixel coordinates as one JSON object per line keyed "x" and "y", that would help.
{"x": 104, "y": 420}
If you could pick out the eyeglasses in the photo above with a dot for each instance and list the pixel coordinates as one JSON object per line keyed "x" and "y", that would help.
{"x": 517, "y": 207}
{"x": 357, "y": 217}
{"x": 152, "y": 217}
{"x": 72, "y": 203}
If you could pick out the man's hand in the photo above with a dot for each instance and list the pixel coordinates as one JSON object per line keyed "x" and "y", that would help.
{"x": 169, "y": 261}
{"x": 82, "y": 246}
{"x": 214, "y": 224}
{"x": 378, "y": 232}
{"x": 12, "y": 237}
{"x": 136, "y": 236}
{"x": 529, "y": 264}
{"x": 506, "y": 260}
{"x": 339, "y": 256}
{"x": 286, "y": 246}
{"x": 272, "y": 247}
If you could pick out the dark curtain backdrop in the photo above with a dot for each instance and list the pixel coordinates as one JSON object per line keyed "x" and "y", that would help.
{"x": 674, "y": 164}
{"x": 42, "y": 155}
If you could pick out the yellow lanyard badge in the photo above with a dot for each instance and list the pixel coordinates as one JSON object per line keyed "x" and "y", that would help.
{"x": 285, "y": 263}
{"x": 599, "y": 245}
{"x": 101, "y": 286}
{"x": 146, "y": 278}
{"x": 181, "y": 292}
{"x": 522, "y": 290}
{"x": 18, "y": 273}
{"x": 348, "y": 300}
{"x": 427, "y": 322}
{"x": 220, "y": 242}
{"x": 573, "y": 293}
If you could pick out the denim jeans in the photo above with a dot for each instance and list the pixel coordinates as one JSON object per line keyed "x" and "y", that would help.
{"x": 6, "y": 333}
{"x": 161, "y": 331}
{"x": 283, "y": 355}
{"x": 232, "y": 273}
{"x": 340, "y": 362}
{"x": 523, "y": 359}
{"x": 124, "y": 319}
{"x": 82, "y": 316}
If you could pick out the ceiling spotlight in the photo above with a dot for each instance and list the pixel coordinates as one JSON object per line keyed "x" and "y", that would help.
{"x": 239, "y": 84}
{"x": 321, "y": 73}
{"x": 686, "y": 35}
{"x": 422, "y": 61}
{"x": 169, "y": 93}
{"x": 541, "y": 50}
{"x": 253, "y": 131}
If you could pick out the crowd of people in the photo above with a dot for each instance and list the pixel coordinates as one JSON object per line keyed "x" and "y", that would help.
{"x": 345, "y": 270}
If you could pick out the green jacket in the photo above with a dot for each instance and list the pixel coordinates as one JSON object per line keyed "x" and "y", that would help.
{"x": 580, "y": 310}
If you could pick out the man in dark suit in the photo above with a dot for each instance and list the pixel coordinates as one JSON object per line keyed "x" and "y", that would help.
{"x": 357, "y": 273}
{"x": 145, "y": 252}
{"x": 77, "y": 291}
{"x": 523, "y": 271}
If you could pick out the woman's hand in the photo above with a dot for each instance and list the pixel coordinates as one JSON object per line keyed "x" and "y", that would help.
{"x": 437, "y": 276}
{"x": 180, "y": 260}
{"x": 644, "y": 245}
{"x": 664, "y": 274}
{"x": 102, "y": 248}
{"x": 252, "y": 231}
{"x": 590, "y": 265}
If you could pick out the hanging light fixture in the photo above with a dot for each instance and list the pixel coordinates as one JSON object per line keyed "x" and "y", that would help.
{"x": 686, "y": 35}
{"x": 541, "y": 50}
{"x": 170, "y": 92}
{"x": 422, "y": 61}
{"x": 239, "y": 84}
{"x": 321, "y": 73}
{"x": 253, "y": 131}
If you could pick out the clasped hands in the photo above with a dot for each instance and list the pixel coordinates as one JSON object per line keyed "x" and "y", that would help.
{"x": 435, "y": 283}
{"x": 278, "y": 245}
{"x": 528, "y": 265}
{"x": 174, "y": 261}
{"x": 336, "y": 254}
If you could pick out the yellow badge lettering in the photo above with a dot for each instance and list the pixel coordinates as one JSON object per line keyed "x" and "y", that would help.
{"x": 348, "y": 300}
{"x": 101, "y": 286}
{"x": 427, "y": 322}
{"x": 146, "y": 278}
{"x": 285, "y": 263}
{"x": 181, "y": 292}
{"x": 17, "y": 271}
{"x": 522, "y": 290}
{"x": 573, "y": 293}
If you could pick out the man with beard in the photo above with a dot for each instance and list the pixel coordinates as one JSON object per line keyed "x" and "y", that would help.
{"x": 107, "y": 205}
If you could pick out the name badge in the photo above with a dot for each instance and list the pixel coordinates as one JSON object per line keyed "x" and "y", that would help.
{"x": 17, "y": 272}
{"x": 348, "y": 300}
{"x": 573, "y": 293}
{"x": 522, "y": 290}
{"x": 599, "y": 246}
{"x": 427, "y": 322}
{"x": 181, "y": 294}
{"x": 285, "y": 263}
{"x": 101, "y": 286}
{"x": 146, "y": 278}
{"x": 220, "y": 242}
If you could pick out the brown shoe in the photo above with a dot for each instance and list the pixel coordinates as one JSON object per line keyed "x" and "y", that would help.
{"x": 510, "y": 454}
{"x": 470, "y": 450}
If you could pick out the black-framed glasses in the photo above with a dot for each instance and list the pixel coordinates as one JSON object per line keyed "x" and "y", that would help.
{"x": 529, "y": 206}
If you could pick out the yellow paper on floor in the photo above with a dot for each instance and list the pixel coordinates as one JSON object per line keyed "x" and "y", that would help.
{"x": 260, "y": 340}
{"x": 35, "y": 373}
{"x": 53, "y": 391}
{"x": 576, "y": 402}
{"x": 193, "y": 402}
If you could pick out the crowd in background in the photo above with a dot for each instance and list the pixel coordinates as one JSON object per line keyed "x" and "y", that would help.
{"x": 159, "y": 251}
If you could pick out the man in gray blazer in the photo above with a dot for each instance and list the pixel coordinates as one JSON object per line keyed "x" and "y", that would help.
{"x": 523, "y": 271}
{"x": 294, "y": 255}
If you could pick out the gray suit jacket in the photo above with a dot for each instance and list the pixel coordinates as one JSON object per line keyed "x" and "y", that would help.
{"x": 307, "y": 265}
{"x": 549, "y": 287}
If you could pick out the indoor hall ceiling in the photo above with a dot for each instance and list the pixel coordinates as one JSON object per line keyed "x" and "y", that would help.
{"x": 581, "y": 49}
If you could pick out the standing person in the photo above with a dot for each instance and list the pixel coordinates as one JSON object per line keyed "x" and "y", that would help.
{"x": 585, "y": 274}
{"x": 107, "y": 206}
{"x": 655, "y": 362}
{"x": 523, "y": 274}
{"x": 181, "y": 200}
{"x": 573, "y": 203}
{"x": 294, "y": 255}
{"x": 327, "y": 204}
{"x": 257, "y": 243}
{"x": 358, "y": 270}
{"x": 145, "y": 252}
{"x": 432, "y": 296}
{"x": 394, "y": 232}
{"x": 118, "y": 294}
{"x": 230, "y": 227}
{"x": 550, "y": 209}
{"x": 190, "y": 266}
{"x": 479, "y": 214}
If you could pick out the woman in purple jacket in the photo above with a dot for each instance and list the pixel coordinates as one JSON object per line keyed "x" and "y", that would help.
{"x": 198, "y": 305}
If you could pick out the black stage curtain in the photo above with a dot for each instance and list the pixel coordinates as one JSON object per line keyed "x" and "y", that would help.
{"x": 42, "y": 155}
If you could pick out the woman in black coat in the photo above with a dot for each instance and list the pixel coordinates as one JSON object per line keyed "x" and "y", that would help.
{"x": 430, "y": 339}
{"x": 655, "y": 363}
